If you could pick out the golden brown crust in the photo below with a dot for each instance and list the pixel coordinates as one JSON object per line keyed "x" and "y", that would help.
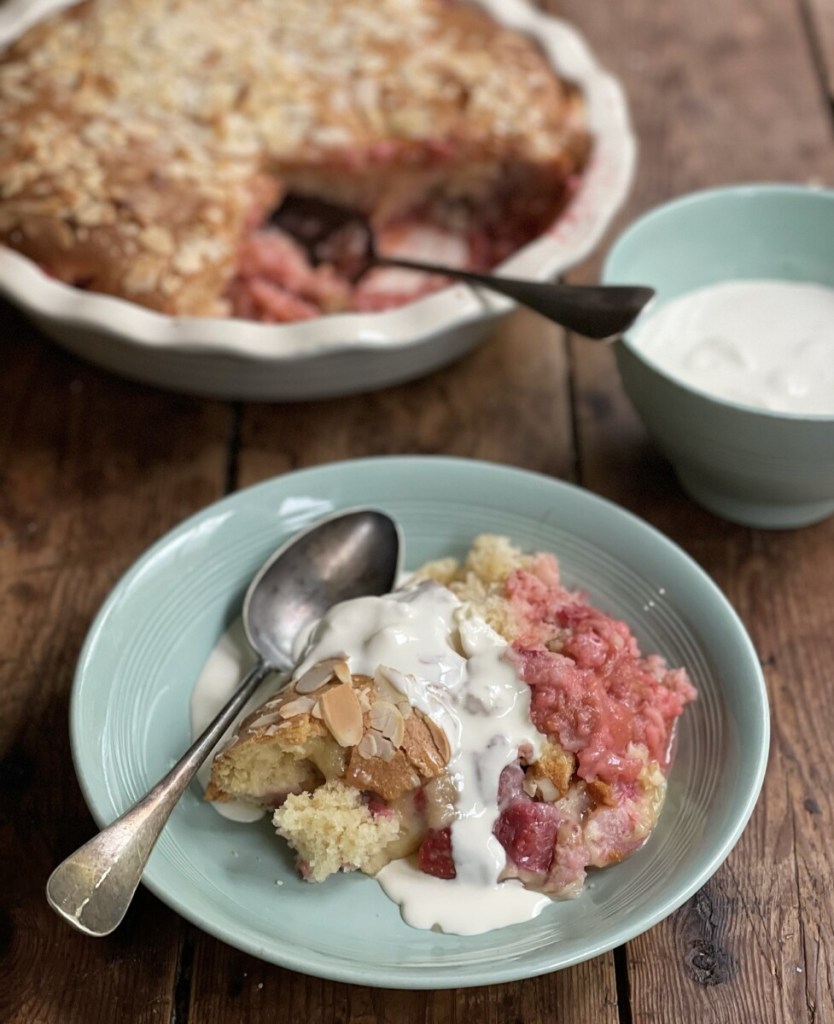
{"x": 139, "y": 138}
{"x": 424, "y": 746}
{"x": 305, "y": 735}
{"x": 136, "y": 216}
{"x": 389, "y": 779}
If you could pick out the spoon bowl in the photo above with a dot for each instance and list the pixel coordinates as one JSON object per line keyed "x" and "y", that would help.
{"x": 348, "y": 555}
{"x": 345, "y": 556}
{"x": 343, "y": 237}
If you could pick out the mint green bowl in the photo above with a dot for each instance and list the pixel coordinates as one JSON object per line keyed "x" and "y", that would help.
{"x": 751, "y": 466}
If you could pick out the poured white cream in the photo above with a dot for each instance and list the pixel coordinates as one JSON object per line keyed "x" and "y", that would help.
{"x": 455, "y": 905}
{"x": 475, "y": 696}
{"x": 763, "y": 343}
{"x": 450, "y": 665}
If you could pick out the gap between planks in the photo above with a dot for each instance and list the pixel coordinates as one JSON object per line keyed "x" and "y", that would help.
{"x": 817, "y": 19}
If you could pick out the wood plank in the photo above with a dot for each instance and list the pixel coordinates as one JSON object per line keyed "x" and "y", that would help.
{"x": 711, "y": 106}
{"x": 507, "y": 402}
{"x": 231, "y": 986}
{"x": 719, "y": 93}
{"x": 91, "y": 471}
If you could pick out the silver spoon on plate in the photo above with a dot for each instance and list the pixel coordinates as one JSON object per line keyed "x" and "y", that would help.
{"x": 343, "y": 237}
{"x": 351, "y": 554}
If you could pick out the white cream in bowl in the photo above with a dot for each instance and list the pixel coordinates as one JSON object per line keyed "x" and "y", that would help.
{"x": 764, "y": 343}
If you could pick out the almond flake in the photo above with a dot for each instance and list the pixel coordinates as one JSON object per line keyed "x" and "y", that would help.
{"x": 342, "y": 672}
{"x": 316, "y": 676}
{"x": 342, "y": 714}
{"x": 262, "y": 720}
{"x": 296, "y": 707}
{"x": 386, "y": 719}
{"x": 441, "y": 740}
{"x": 386, "y": 748}
{"x": 368, "y": 747}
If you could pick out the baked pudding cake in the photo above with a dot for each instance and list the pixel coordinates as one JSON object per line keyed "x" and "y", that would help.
{"x": 504, "y": 711}
{"x": 347, "y": 761}
{"x": 145, "y": 143}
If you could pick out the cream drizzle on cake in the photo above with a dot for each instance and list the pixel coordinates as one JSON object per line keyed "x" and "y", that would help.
{"x": 476, "y": 697}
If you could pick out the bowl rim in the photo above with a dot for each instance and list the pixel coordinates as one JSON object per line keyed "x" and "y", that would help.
{"x": 750, "y": 190}
{"x": 603, "y": 188}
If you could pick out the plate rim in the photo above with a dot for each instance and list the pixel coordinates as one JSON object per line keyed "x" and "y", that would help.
{"x": 404, "y": 976}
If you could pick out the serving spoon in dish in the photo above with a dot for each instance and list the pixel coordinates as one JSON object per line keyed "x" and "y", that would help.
{"x": 339, "y": 235}
{"x": 352, "y": 554}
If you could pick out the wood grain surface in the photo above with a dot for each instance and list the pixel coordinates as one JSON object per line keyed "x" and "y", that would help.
{"x": 94, "y": 469}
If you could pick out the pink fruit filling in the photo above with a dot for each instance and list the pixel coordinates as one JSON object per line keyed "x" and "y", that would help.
{"x": 275, "y": 281}
{"x": 598, "y": 698}
{"x": 591, "y": 687}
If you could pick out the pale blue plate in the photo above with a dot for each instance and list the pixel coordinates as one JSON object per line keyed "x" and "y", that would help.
{"x": 129, "y": 719}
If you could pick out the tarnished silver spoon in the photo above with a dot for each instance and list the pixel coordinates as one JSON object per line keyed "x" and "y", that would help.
{"x": 349, "y": 555}
{"x": 343, "y": 237}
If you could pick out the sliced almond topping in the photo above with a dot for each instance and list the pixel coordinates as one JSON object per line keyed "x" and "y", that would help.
{"x": 392, "y": 687}
{"x": 342, "y": 672}
{"x": 378, "y": 715}
{"x": 315, "y": 711}
{"x": 385, "y": 747}
{"x": 296, "y": 707}
{"x": 374, "y": 746}
{"x": 397, "y": 731}
{"x": 342, "y": 714}
{"x": 316, "y": 676}
{"x": 368, "y": 747}
{"x": 386, "y": 718}
{"x": 263, "y": 720}
{"x": 441, "y": 740}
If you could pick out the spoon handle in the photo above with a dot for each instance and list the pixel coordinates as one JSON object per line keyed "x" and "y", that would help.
{"x": 600, "y": 312}
{"x": 93, "y": 887}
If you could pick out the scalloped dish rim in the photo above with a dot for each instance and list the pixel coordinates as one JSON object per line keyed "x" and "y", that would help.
{"x": 602, "y": 191}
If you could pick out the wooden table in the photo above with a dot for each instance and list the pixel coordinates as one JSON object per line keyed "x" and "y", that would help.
{"x": 93, "y": 469}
